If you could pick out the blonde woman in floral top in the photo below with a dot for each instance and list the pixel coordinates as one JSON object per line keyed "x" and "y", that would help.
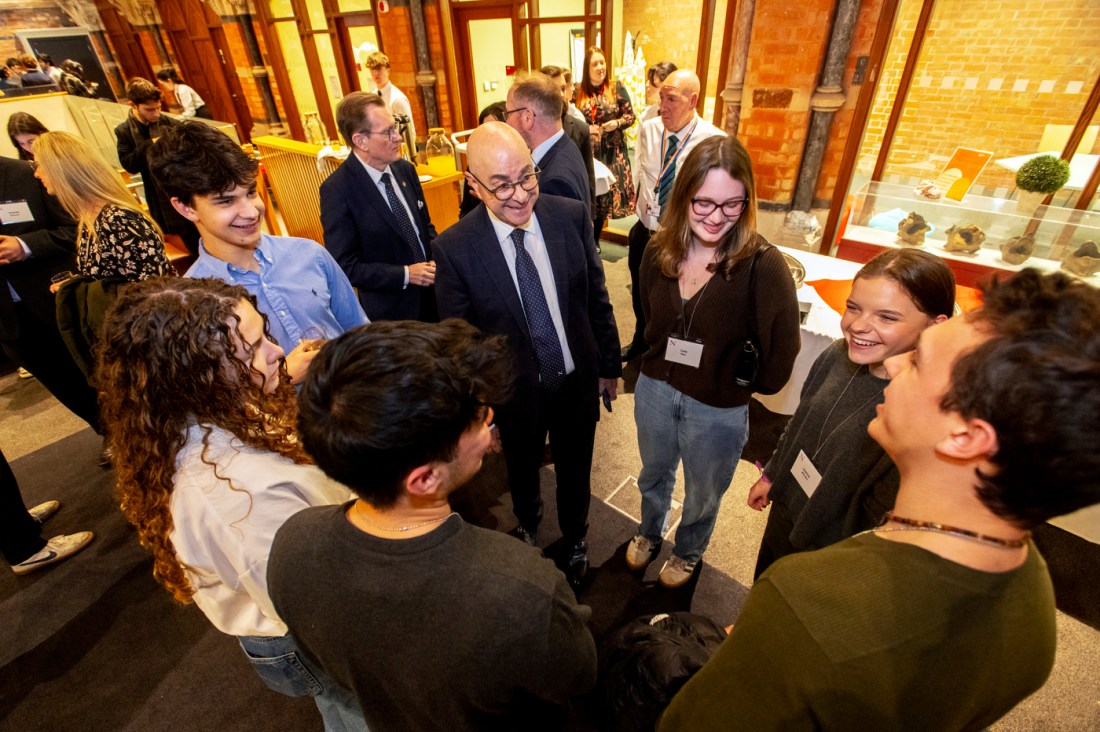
{"x": 606, "y": 105}
{"x": 115, "y": 237}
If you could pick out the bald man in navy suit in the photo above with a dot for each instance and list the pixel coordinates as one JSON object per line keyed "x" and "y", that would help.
{"x": 524, "y": 265}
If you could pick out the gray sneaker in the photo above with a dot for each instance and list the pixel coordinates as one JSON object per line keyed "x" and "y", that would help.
{"x": 676, "y": 572}
{"x": 641, "y": 552}
{"x": 60, "y": 547}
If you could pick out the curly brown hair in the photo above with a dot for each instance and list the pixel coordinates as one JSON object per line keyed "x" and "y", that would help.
{"x": 165, "y": 362}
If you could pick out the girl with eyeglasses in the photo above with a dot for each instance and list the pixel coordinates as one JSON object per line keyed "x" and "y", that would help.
{"x": 698, "y": 300}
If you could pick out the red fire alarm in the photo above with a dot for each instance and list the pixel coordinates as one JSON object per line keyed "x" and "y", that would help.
{"x": 509, "y": 70}
{"x": 383, "y": 6}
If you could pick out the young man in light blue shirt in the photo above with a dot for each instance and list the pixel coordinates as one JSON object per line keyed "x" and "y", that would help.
{"x": 296, "y": 282}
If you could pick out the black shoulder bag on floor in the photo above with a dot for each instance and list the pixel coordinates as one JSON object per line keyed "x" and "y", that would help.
{"x": 748, "y": 354}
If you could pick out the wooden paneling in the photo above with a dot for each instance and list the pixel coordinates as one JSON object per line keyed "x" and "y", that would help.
{"x": 205, "y": 61}
{"x": 128, "y": 51}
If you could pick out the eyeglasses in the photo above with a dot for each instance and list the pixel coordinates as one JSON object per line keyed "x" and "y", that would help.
{"x": 513, "y": 111}
{"x": 390, "y": 132}
{"x": 506, "y": 190}
{"x": 705, "y": 207}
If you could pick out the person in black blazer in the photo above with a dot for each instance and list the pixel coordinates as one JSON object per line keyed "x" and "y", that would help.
{"x": 562, "y": 335}
{"x": 37, "y": 241}
{"x": 576, "y": 129}
{"x": 133, "y": 137}
{"x": 385, "y": 253}
{"x": 534, "y": 111}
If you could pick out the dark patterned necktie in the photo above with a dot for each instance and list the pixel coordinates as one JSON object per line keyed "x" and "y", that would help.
{"x": 539, "y": 323}
{"x": 664, "y": 186}
{"x": 404, "y": 225}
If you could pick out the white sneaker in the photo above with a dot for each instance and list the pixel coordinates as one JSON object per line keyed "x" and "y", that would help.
{"x": 676, "y": 572}
{"x": 641, "y": 552}
{"x": 43, "y": 511}
{"x": 60, "y": 547}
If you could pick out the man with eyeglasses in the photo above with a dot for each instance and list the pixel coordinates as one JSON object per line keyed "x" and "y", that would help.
{"x": 663, "y": 144}
{"x": 523, "y": 266}
{"x": 534, "y": 111}
{"x": 375, "y": 218}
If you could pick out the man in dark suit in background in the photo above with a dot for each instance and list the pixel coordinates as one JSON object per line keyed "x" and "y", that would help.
{"x": 524, "y": 267}
{"x": 37, "y": 241}
{"x": 144, "y": 124}
{"x": 576, "y": 129}
{"x": 375, "y": 217}
{"x": 534, "y": 111}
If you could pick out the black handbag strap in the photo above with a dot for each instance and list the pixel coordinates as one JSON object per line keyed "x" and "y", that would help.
{"x": 752, "y": 293}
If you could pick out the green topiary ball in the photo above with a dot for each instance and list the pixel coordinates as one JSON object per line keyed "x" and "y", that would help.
{"x": 1044, "y": 174}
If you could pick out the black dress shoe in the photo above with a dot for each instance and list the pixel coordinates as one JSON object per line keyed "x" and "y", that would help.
{"x": 576, "y": 571}
{"x": 633, "y": 351}
{"x": 527, "y": 537}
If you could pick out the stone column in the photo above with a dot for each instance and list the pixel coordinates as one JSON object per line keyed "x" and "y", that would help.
{"x": 425, "y": 76}
{"x": 826, "y": 100}
{"x": 739, "y": 57}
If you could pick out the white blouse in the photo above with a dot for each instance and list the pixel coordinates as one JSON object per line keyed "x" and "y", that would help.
{"x": 225, "y": 516}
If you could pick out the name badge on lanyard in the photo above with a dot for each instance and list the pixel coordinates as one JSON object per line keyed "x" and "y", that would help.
{"x": 805, "y": 473}
{"x": 686, "y": 351}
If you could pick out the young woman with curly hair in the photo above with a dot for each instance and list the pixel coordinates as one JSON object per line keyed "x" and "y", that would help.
{"x": 200, "y": 416}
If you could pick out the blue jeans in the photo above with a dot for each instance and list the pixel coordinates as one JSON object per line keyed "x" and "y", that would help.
{"x": 672, "y": 426}
{"x": 277, "y": 660}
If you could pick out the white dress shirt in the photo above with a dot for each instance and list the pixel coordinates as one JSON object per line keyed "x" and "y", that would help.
{"x": 536, "y": 247}
{"x": 398, "y": 103}
{"x": 649, "y": 153}
{"x": 225, "y": 512}
{"x": 376, "y": 176}
{"x": 540, "y": 152}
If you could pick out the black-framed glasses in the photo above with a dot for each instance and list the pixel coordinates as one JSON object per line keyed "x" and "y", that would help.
{"x": 513, "y": 111}
{"x": 705, "y": 207}
{"x": 506, "y": 190}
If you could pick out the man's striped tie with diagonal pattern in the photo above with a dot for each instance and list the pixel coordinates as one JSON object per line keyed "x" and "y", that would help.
{"x": 664, "y": 186}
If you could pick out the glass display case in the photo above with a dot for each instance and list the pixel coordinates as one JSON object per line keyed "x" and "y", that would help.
{"x": 977, "y": 236}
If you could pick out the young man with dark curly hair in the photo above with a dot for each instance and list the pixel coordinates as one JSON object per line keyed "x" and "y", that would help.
{"x": 296, "y": 282}
{"x": 942, "y": 617}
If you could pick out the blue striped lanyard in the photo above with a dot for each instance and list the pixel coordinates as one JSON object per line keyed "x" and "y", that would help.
{"x": 672, "y": 162}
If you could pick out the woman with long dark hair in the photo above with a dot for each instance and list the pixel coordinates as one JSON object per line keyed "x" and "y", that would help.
{"x": 606, "y": 105}
{"x": 200, "y": 416}
{"x": 188, "y": 98}
{"x": 709, "y": 283}
{"x": 853, "y": 483}
{"x": 23, "y": 130}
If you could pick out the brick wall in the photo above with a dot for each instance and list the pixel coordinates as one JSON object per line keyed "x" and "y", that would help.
{"x": 14, "y": 19}
{"x": 992, "y": 75}
{"x": 785, "y": 53}
{"x": 667, "y": 31}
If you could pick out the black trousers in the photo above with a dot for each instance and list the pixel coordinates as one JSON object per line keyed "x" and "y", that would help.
{"x": 20, "y": 535}
{"x": 776, "y": 542}
{"x": 40, "y": 350}
{"x": 636, "y": 242}
{"x": 569, "y": 416}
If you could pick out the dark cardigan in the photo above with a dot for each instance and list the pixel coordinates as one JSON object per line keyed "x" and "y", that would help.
{"x": 719, "y": 317}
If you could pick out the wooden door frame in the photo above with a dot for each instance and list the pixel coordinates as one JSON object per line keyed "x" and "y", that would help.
{"x": 461, "y": 15}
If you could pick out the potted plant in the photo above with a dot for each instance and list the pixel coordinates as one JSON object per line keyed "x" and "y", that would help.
{"x": 1037, "y": 179}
